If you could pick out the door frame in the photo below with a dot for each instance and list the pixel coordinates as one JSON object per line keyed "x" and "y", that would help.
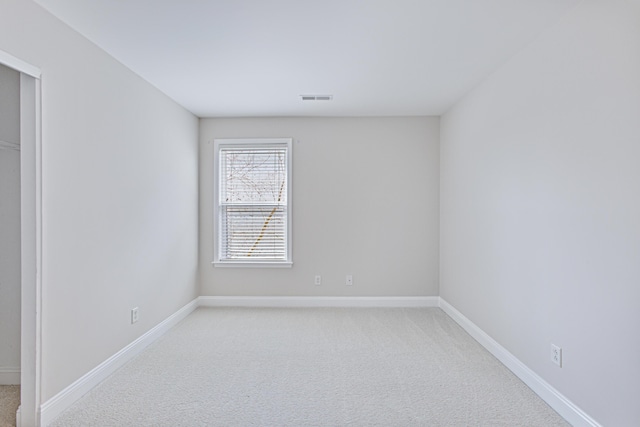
{"x": 31, "y": 238}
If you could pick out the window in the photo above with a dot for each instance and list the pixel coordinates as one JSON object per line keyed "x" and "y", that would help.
{"x": 252, "y": 202}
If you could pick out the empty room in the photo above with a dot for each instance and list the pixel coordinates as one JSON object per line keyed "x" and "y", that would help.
{"x": 320, "y": 213}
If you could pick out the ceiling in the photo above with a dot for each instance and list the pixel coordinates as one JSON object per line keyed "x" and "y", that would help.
{"x": 227, "y": 58}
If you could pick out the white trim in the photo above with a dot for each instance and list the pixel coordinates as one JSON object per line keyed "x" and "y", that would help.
{"x": 67, "y": 397}
{"x": 31, "y": 248}
{"x": 53, "y": 407}
{"x": 236, "y": 301}
{"x": 31, "y": 236}
{"x": 9, "y": 375}
{"x": 567, "y": 409}
{"x": 243, "y": 264}
{"x": 19, "y": 65}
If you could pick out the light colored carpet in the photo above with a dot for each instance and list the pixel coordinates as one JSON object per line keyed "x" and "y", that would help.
{"x": 9, "y": 402}
{"x": 313, "y": 367}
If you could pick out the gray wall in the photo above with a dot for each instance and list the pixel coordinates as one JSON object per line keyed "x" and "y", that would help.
{"x": 540, "y": 207}
{"x": 9, "y": 226}
{"x": 120, "y": 197}
{"x": 9, "y": 105}
{"x": 365, "y": 202}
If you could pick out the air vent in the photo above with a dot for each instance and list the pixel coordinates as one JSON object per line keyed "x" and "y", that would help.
{"x": 316, "y": 97}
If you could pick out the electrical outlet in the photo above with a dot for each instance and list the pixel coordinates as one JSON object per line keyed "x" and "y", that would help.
{"x": 318, "y": 280}
{"x": 134, "y": 315}
{"x": 556, "y": 355}
{"x": 349, "y": 280}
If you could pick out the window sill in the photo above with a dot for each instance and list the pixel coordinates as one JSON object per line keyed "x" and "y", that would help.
{"x": 245, "y": 264}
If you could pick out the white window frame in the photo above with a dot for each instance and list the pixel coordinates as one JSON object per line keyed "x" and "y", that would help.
{"x": 239, "y": 143}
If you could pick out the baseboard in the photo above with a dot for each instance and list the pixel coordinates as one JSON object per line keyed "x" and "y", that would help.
{"x": 570, "y": 412}
{"x": 318, "y": 301}
{"x": 53, "y": 407}
{"x": 9, "y": 375}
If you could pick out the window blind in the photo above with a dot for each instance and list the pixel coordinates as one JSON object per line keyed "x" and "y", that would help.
{"x": 253, "y": 203}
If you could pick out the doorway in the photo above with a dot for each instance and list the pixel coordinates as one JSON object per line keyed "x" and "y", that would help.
{"x": 10, "y": 235}
{"x": 21, "y": 164}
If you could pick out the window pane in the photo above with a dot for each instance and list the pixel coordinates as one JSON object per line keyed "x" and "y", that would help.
{"x": 253, "y": 176}
{"x": 252, "y": 202}
{"x": 256, "y": 232}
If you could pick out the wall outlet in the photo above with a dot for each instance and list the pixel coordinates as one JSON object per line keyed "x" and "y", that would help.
{"x": 134, "y": 315}
{"x": 556, "y": 355}
{"x": 349, "y": 280}
{"x": 318, "y": 280}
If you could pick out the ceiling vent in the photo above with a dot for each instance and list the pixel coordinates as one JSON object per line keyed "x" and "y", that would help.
{"x": 316, "y": 97}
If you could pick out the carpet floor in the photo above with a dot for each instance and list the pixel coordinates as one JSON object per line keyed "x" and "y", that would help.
{"x": 9, "y": 402}
{"x": 313, "y": 367}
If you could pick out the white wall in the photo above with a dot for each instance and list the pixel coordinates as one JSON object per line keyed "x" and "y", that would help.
{"x": 9, "y": 226}
{"x": 540, "y": 207}
{"x": 365, "y": 202}
{"x": 119, "y": 169}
